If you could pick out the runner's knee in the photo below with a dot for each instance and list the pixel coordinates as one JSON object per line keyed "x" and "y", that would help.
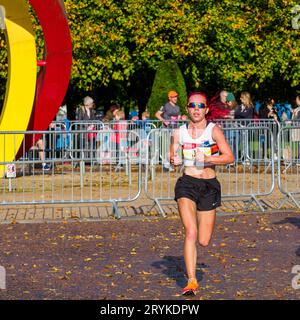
{"x": 204, "y": 242}
{"x": 191, "y": 234}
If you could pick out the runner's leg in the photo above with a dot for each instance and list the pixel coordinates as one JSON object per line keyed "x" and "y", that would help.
{"x": 206, "y": 223}
{"x": 188, "y": 213}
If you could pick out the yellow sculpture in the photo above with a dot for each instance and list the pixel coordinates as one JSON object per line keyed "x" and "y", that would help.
{"x": 22, "y": 73}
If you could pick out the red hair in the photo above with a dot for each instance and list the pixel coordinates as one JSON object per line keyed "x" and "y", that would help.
{"x": 198, "y": 93}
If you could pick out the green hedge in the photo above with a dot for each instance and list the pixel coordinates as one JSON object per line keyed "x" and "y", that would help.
{"x": 168, "y": 77}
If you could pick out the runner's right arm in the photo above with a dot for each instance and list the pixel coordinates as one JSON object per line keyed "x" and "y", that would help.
{"x": 174, "y": 147}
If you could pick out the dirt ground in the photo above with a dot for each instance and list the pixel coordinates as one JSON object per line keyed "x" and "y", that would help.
{"x": 251, "y": 256}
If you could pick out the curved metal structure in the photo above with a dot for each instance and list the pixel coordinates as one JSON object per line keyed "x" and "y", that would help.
{"x": 21, "y": 83}
{"x": 31, "y": 103}
{"x": 54, "y": 75}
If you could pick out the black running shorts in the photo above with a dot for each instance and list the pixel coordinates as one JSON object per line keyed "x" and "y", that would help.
{"x": 206, "y": 193}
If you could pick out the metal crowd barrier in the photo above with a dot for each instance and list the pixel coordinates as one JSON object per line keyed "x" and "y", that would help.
{"x": 254, "y": 177}
{"x": 108, "y": 170}
{"x": 104, "y": 164}
{"x": 234, "y": 138}
{"x": 289, "y": 161}
{"x": 65, "y": 142}
{"x": 160, "y": 176}
{"x": 250, "y": 180}
{"x": 149, "y": 124}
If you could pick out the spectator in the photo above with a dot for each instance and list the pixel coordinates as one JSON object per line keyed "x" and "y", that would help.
{"x": 146, "y": 128}
{"x": 246, "y": 109}
{"x": 144, "y": 122}
{"x": 231, "y": 105}
{"x": 284, "y": 111}
{"x": 119, "y": 138}
{"x": 218, "y": 108}
{"x": 103, "y": 143}
{"x": 296, "y": 110}
{"x": 87, "y": 110}
{"x": 296, "y": 132}
{"x": 110, "y": 114}
{"x": 135, "y": 118}
{"x": 61, "y": 141}
{"x": 143, "y": 126}
{"x": 86, "y": 114}
{"x": 184, "y": 117}
{"x": 133, "y": 114}
{"x": 39, "y": 145}
{"x": 140, "y": 130}
{"x": 145, "y": 115}
{"x": 268, "y": 111}
{"x": 170, "y": 112}
{"x": 62, "y": 113}
{"x": 223, "y": 96}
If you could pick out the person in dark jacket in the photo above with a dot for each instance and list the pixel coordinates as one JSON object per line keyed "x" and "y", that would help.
{"x": 87, "y": 111}
{"x": 268, "y": 111}
{"x": 246, "y": 109}
{"x": 86, "y": 116}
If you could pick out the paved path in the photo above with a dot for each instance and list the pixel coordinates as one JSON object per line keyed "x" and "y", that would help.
{"x": 251, "y": 257}
{"x": 143, "y": 207}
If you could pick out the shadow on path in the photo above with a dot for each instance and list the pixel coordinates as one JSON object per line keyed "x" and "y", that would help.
{"x": 174, "y": 268}
{"x": 291, "y": 220}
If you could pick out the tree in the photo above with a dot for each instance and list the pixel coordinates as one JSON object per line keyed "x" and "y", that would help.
{"x": 168, "y": 77}
{"x": 237, "y": 45}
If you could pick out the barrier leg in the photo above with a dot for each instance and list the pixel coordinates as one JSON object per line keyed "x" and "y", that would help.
{"x": 287, "y": 167}
{"x": 283, "y": 201}
{"x": 268, "y": 167}
{"x": 116, "y": 210}
{"x": 160, "y": 208}
{"x": 253, "y": 198}
{"x": 289, "y": 195}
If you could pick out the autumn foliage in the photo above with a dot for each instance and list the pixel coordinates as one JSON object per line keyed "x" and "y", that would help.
{"x": 240, "y": 45}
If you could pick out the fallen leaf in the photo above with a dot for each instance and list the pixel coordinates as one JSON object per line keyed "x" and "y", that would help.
{"x": 88, "y": 259}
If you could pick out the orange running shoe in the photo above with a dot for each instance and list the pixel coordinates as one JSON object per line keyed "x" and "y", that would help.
{"x": 191, "y": 288}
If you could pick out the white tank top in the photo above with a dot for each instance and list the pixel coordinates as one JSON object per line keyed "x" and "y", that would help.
{"x": 189, "y": 145}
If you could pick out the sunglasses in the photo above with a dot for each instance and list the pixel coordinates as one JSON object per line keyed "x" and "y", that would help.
{"x": 194, "y": 104}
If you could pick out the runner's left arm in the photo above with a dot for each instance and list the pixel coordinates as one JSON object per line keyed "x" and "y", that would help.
{"x": 226, "y": 156}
